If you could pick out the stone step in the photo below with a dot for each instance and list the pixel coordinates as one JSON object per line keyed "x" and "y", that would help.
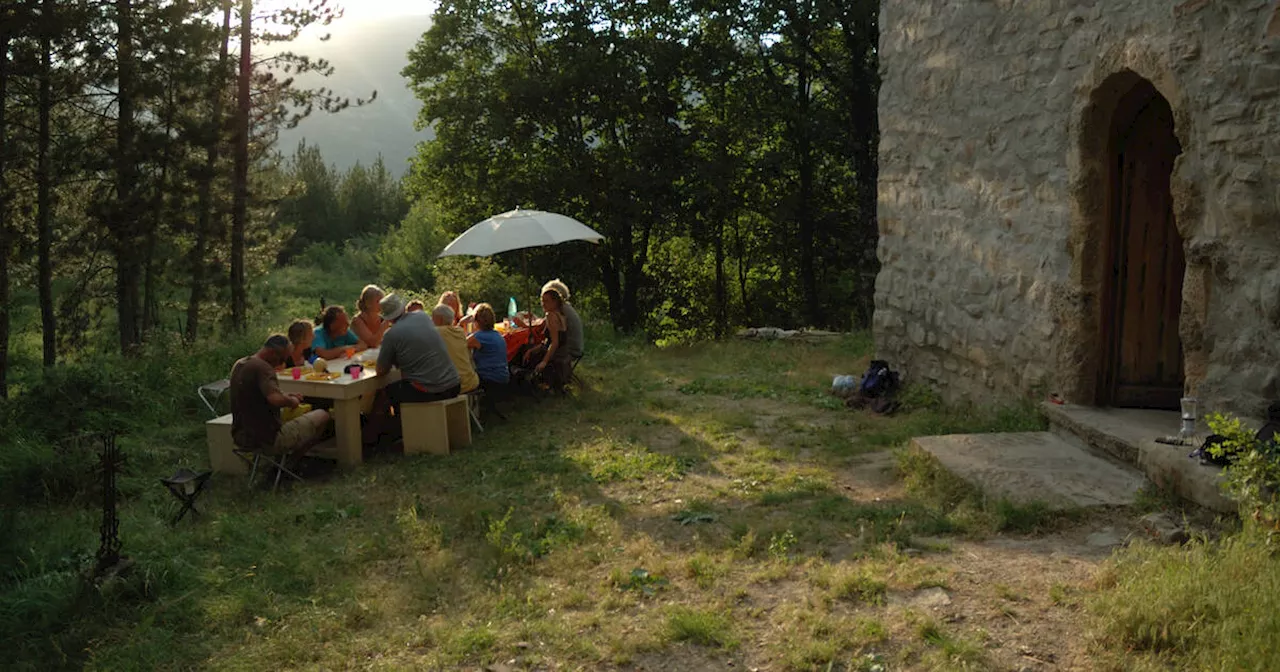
{"x": 1030, "y": 467}
{"x": 1130, "y": 434}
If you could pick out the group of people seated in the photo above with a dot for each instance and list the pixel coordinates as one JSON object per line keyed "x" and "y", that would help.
{"x": 440, "y": 355}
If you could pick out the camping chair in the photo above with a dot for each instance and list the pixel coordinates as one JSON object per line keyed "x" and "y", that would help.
{"x": 210, "y": 393}
{"x": 573, "y": 370}
{"x": 474, "y": 399}
{"x": 255, "y": 457}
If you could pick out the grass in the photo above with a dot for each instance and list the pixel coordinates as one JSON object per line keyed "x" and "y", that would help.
{"x": 1202, "y": 606}
{"x": 700, "y": 626}
{"x": 690, "y": 501}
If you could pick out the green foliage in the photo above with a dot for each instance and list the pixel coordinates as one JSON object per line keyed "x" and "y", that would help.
{"x": 717, "y": 209}
{"x": 1252, "y": 475}
{"x": 780, "y": 545}
{"x": 326, "y": 206}
{"x": 407, "y": 256}
{"x": 480, "y": 279}
{"x": 1205, "y": 605}
{"x": 642, "y": 581}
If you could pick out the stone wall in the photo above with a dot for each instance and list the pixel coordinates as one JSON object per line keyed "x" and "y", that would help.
{"x": 989, "y": 208}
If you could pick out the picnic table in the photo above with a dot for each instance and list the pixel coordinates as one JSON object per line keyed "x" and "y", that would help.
{"x": 347, "y": 394}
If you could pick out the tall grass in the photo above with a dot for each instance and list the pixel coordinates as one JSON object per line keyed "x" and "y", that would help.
{"x": 1202, "y": 606}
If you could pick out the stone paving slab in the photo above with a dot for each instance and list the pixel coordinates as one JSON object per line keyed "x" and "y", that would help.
{"x": 1035, "y": 466}
{"x": 1129, "y": 434}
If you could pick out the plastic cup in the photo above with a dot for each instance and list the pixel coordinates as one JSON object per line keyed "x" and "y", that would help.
{"x": 356, "y": 371}
{"x": 297, "y": 372}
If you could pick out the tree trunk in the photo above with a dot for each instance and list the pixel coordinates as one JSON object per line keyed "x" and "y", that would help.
{"x": 861, "y": 35}
{"x": 722, "y": 295}
{"x": 804, "y": 209}
{"x": 5, "y": 243}
{"x": 724, "y": 198}
{"x": 204, "y": 196}
{"x": 150, "y": 301}
{"x": 44, "y": 186}
{"x": 125, "y": 226}
{"x": 240, "y": 200}
{"x": 742, "y": 270}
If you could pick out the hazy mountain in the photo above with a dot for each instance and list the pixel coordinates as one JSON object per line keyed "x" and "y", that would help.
{"x": 366, "y": 56}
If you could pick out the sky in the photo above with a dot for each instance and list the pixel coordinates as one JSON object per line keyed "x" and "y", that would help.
{"x": 359, "y": 10}
{"x": 354, "y": 12}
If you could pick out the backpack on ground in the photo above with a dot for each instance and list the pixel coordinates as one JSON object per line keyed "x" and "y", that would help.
{"x": 879, "y": 381}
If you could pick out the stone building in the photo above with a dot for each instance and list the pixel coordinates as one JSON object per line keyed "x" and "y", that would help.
{"x": 1082, "y": 197}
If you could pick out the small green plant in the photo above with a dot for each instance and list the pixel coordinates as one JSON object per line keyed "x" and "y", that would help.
{"x": 704, "y": 570}
{"x": 642, "y": 581}
{"x": 1252, "y": 475}
{"x": 955, "y": 650}
{"x": 708, "y": 628}
{"x": 780, "y": 545}
{"x": 1060, "y": 594}
{"x": 507, "y": 545}
{"x": 859, "y": 586}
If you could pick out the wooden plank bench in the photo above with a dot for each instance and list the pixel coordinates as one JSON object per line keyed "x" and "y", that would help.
{"x": 435, "y": 427}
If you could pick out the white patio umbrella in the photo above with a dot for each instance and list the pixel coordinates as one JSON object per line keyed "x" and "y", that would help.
{"x": 517, "y": 230}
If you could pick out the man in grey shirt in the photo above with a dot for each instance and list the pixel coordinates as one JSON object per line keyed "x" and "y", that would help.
{"x": 412, "y": 345}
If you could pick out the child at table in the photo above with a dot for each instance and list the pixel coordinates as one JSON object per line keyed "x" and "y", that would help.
{"x": 301, "y": 336}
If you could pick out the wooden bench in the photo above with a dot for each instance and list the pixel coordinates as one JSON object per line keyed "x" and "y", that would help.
{"x": 435, "y": 427}
{"x": 221, "y": 458}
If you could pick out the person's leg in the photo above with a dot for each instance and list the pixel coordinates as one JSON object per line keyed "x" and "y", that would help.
{"x": 494, "y": 392}
{"x": 301, "y": 434}
{"x": 380, "y": 416}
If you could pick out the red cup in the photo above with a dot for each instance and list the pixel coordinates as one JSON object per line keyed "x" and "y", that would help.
{"x": 356, "y": 371}
{"x": 297, "y": 373}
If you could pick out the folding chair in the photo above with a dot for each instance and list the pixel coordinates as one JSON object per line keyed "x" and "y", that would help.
{"x": 474, "y": 397}
{"x": 573, "y": 370}
{"x": 210, "y": 393}
{"x": 277, "y": 461}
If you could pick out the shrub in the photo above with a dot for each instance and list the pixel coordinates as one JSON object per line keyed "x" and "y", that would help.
{"x": 480, "y": 279}
{"x": 408, "y": 252}
{"x": 1252, "y": 477}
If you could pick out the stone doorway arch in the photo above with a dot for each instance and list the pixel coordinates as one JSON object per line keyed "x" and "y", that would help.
{"x": 1125, "y": 348}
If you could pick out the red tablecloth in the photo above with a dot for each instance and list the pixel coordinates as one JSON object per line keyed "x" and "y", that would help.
{"x": 515, "y": 338}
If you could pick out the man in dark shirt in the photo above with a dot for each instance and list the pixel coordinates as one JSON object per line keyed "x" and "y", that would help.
{"x": 256, "y": 401}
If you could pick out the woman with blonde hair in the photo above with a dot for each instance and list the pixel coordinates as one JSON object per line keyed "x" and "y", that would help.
{"x": 460, "y": 317}
{"x": 368, "y": 323}
{"x": 552, "y": 357}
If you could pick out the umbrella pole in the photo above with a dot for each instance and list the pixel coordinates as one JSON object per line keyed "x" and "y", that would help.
{"x": 525, "y": 254}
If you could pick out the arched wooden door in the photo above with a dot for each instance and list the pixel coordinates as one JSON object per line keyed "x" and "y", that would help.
{"x": 1142, "y": 363}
